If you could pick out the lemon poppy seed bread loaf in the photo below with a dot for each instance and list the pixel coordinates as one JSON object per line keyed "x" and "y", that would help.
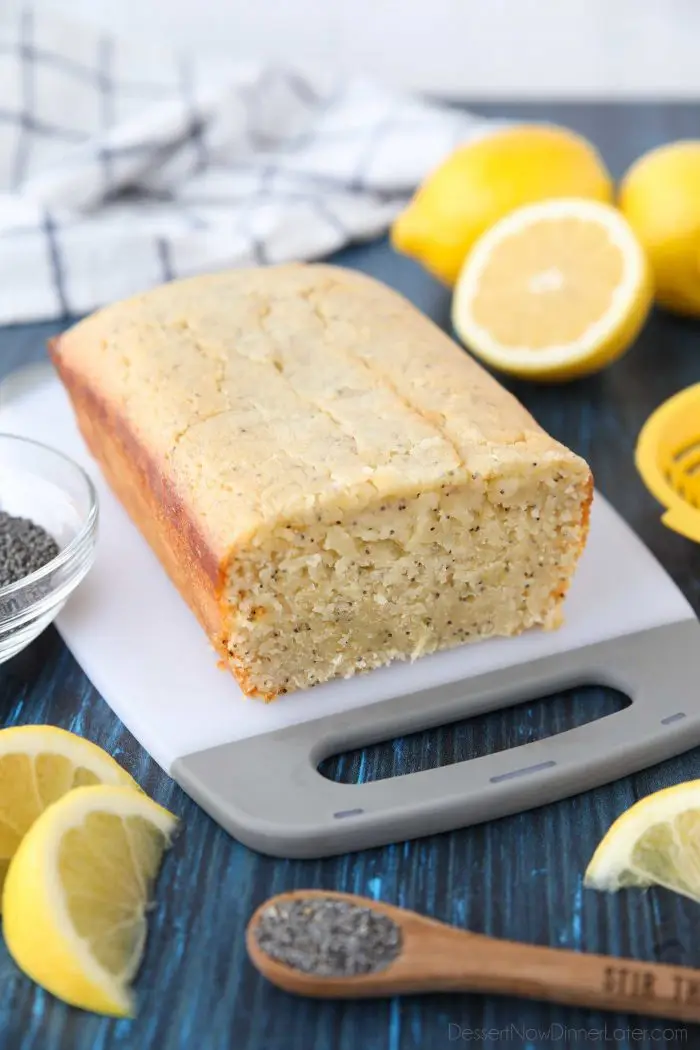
{"x": 330, "y": 482}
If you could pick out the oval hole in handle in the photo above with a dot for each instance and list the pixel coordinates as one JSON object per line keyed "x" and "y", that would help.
{"x": 468, "y": 738}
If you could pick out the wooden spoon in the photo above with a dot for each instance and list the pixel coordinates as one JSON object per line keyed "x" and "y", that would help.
{"x": 435, "y": 957}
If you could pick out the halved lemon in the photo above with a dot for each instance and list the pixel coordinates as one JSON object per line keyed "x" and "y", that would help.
{"x": 39, "y": 764}
{"x": 76, "y": 893}
{"x": 554, "y": 290}
{"x": 655, "y": 842}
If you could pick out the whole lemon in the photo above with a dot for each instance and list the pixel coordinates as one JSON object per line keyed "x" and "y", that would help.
{"x": 660, "y": 198}
{"x": 484, "y": 180}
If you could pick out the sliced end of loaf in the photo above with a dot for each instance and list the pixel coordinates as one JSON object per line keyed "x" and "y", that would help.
{"x": 472, "y": 558}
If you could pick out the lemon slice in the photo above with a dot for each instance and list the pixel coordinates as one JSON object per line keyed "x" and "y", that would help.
{"x": 76, "y": 893}
{"x": 554, "y": 290}
{"x": 38, "y": 764}
{"x": 656, "y": 842}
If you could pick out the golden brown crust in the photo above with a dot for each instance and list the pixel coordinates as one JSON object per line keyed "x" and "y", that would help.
{"x": 150, "y": 500}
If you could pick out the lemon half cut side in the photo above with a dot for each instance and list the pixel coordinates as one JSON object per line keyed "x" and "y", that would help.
{"x": 555, "y": 290}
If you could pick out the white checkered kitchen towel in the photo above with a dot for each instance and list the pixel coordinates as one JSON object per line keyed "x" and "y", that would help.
{"x": 122, "y": 166}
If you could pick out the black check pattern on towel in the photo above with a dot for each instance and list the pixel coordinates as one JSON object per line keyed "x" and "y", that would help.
{"x": 122, "y": 167}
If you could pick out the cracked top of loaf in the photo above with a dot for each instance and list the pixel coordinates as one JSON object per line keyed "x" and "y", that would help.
{"x": 275, "y": 394}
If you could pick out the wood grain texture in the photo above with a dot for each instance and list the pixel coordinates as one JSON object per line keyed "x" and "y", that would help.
{"x": 435, "y": 957}
{"x": 519, "y": 878}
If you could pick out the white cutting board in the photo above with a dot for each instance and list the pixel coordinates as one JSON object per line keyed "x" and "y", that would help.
{"x": 137, "y": 641}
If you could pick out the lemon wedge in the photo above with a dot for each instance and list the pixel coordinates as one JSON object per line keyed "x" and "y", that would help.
{"x": 555, "y": 290}
{"x": 39, "y": 764}
{"x": 655, "y": 842}
{"x": 76, "y": 893}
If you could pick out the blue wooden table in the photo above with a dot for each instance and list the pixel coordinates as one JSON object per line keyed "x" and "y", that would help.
{"x": 519, "y": 878}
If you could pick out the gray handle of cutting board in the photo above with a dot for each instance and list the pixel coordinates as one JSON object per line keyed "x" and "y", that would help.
{"x": 268, "y": 793}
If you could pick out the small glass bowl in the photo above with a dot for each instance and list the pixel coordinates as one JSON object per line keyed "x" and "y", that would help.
{"x": 39, "y": 483}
